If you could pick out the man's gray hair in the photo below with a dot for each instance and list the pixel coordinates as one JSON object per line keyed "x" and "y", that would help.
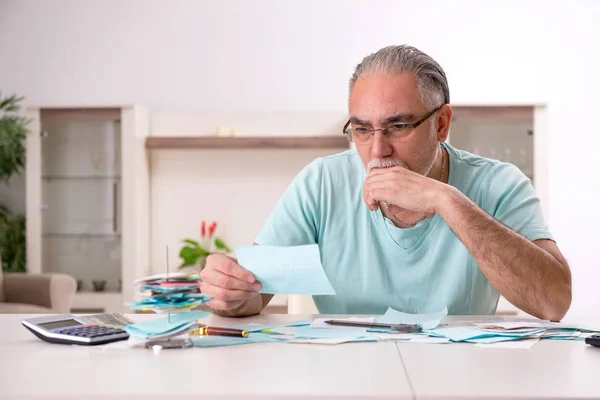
{"x": 394, "y": 60}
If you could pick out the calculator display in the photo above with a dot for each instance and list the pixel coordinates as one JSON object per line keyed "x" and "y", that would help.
{"x": 60, "y": 324}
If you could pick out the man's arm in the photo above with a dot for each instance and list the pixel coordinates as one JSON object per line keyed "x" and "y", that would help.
{"x": 533, "y": 276}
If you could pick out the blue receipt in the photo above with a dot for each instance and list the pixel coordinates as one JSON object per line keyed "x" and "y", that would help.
{"x": 286, "y": 270}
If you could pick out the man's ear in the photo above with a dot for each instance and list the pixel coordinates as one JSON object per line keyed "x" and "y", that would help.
{"x": 444, "y": 117}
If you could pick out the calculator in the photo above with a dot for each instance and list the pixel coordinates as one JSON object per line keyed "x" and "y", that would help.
{"x": 594, "y": 340}
{"x": 70, "y": 329}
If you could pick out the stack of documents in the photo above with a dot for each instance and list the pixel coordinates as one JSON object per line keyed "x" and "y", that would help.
{"x": 163, "y": 293}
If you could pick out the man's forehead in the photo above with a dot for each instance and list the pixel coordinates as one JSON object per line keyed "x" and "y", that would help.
{"x": 378, "y": 98}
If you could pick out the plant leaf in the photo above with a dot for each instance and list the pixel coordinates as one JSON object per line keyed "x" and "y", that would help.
{"x": 192, "y": 242}
{"x": 13, "y": 244}
{"x": 221, "y": 245}
{"x": 189, "y": 255}
{"x": 201, "y": 252}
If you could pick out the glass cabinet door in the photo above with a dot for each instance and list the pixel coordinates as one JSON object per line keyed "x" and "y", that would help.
{"x": 81, "y": 197}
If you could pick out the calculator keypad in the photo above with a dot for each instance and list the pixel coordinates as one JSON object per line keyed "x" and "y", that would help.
{"x": 89, "y": 331}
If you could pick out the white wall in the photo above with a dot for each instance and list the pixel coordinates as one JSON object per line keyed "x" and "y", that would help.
{"x": 283, "y": 55}
{"x": 236, "y": 188}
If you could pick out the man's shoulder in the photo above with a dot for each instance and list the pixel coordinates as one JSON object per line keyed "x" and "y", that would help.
{"x": 339, "y": 163}
{"x": 347, "y": 156}
{"x": 487, "y": 181}
{"x": 475, "y": 168}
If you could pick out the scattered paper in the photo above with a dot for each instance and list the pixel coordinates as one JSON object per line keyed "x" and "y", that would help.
{"x": 514, "y": 325}
{"x": 219, "y": 341}
{"x": 166, "y": 326}
{"x": 539, "y": 324}
{"x": 460, "y": 334}
{"x": 426, "y": 339}
{"x": 396, "y": 336}
{"x": 286, "y": 270}
{"x": 495, "y": 339}
{"x": 562, "y": 333}
{"x": 427, "y": 321}
{"x": 524, "y": 344}
{"x": 333, "y": 340}
{"x": 283, "y": 330}
{"x": 264, "y": 327}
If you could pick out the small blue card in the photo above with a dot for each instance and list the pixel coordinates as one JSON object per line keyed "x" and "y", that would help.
{"x": 286, "y": 270}
{"x": 427, "y": 321}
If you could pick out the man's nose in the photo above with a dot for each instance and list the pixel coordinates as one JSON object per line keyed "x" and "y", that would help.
{"x": 380, "y": 146}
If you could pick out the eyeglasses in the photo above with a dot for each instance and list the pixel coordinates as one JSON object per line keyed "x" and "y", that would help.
{"x": 361, "y": 134}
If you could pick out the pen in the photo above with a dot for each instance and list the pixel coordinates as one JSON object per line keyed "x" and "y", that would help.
{"x": 204, "y": 330}
{"x": 407, "y": 328}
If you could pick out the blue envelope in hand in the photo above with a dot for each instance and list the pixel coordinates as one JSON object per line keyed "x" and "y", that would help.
{"x": 164, "y": 327}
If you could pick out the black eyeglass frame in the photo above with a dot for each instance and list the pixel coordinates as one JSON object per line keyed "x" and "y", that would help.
{"x": 412, "y": 126}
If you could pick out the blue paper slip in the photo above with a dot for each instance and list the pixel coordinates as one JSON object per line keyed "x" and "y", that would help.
{"x": 263, "y": 327}
{"x": 162, "y": 327}
{"x": 219, "y": 341}
{"x": 494, "y": 339}
{"x": 286, "y": 270}
{"x": 332, "y": 341}
{"x": 329, "y": 333}
{"x": 427, "y": 321}
{"x": 460, "y": 334}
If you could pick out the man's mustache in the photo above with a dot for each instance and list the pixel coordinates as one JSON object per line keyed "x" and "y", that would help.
{"x": 387, "y": 162}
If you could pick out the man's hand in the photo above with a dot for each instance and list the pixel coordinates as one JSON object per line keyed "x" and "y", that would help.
{"x": 401, "y": 188}
{"x": 227, "y": 283}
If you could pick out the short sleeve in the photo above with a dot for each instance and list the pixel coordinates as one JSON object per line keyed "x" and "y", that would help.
{"x": 512, "y": 200}
{"x": 294, "y": 221}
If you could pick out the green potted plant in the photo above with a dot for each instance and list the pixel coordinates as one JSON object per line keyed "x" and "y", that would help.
{"x": 13, "y": 132}
{"x": 195, "y": 253}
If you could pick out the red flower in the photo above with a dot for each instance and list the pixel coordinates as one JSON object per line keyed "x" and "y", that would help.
{"x": 203, "y": 231}
{"x": 211, "y": 229}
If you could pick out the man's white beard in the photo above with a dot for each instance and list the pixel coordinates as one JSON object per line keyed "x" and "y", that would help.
{"x": 387, "y": 162}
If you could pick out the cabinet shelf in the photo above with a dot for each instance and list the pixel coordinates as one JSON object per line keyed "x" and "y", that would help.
{"x": 276, "y": 142}
{"x": 80, "y": 177}
{"x": 81, "y": 235}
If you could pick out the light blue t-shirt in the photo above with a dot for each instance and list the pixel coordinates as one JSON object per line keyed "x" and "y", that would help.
{"x": 372, "y": 264}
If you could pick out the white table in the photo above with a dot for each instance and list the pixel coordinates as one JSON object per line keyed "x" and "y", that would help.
{"x": 551, "y": 369}
{"x": 30, "y": 368}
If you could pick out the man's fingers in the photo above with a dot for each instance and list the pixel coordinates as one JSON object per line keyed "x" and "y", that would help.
{"x": 379, "y": 171}
{"x": 229, "y": 267}
{"x": 226, "y": 295}
{"x": 215, "y": 277}
{"x": 369, "y": 201}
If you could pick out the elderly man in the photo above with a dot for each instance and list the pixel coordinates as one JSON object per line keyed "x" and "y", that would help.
{"x": 406, "y": 220}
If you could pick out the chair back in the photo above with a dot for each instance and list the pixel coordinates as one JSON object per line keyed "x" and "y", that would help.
{"x": 301, "y": 304}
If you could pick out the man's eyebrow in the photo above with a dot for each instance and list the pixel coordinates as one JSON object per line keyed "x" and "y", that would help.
{"x": 398, "y": 118}
{"x": 358, "y": 121}
{"x": 387, "y": 121}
